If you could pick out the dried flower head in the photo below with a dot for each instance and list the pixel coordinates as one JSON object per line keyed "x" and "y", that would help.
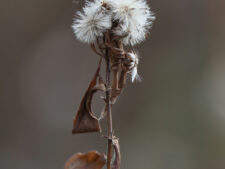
{"x": 92, "y": 23}
{"x": 134, "y": 17}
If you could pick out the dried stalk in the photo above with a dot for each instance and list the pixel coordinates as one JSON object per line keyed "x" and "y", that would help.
{"x": 107, "y": 38}
{"x": 118, "y": 64}
{"x": 109, "y": 108}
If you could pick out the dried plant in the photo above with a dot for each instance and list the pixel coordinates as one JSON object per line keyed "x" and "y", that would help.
{"x": 111, "y": 27}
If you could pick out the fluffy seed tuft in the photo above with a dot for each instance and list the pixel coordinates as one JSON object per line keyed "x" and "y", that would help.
{"x": 133, "y": 18}
{"x": 92, "y": 22}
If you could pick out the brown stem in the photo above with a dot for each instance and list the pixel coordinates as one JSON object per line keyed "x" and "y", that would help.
{"x": 109, "y": 108}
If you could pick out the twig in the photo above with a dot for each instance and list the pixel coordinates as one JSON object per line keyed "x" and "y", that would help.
{"x": 109, "y": 108}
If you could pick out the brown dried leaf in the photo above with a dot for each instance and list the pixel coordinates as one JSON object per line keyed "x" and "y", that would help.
{"x": 117, "y": 160}
{"x": 85, "y": 121}
{"x": 90, "y": 160}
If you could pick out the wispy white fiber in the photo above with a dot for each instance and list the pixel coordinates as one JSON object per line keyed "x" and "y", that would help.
{"x": 133, "y": 66}
{"x": 92, "y": 22}
{"x": 135, "y": 19}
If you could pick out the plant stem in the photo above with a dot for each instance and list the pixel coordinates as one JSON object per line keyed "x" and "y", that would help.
{"x": 109, "y": 108}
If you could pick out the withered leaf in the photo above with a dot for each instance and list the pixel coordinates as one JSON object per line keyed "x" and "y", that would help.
{"x": 117, "y": 160}
{"x": 90, "y": 160}
{"x": 85, "y": 121}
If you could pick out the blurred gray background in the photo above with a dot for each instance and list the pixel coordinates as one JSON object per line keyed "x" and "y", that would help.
{"x": 173, "y": 119}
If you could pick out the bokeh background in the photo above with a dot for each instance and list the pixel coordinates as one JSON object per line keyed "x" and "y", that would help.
{"x": 173, "y": 119}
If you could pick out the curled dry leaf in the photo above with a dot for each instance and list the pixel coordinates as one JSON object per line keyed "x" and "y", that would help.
{"x": 85, "y": 121}
{"x": 119, "y": 73}
{"x": 90, "y": 160}
{"x": 117, "y": 160}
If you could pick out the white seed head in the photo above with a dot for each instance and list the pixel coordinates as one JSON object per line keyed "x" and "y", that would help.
{"x": 135, "y": 19}
{"x": 92, "y": 22}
